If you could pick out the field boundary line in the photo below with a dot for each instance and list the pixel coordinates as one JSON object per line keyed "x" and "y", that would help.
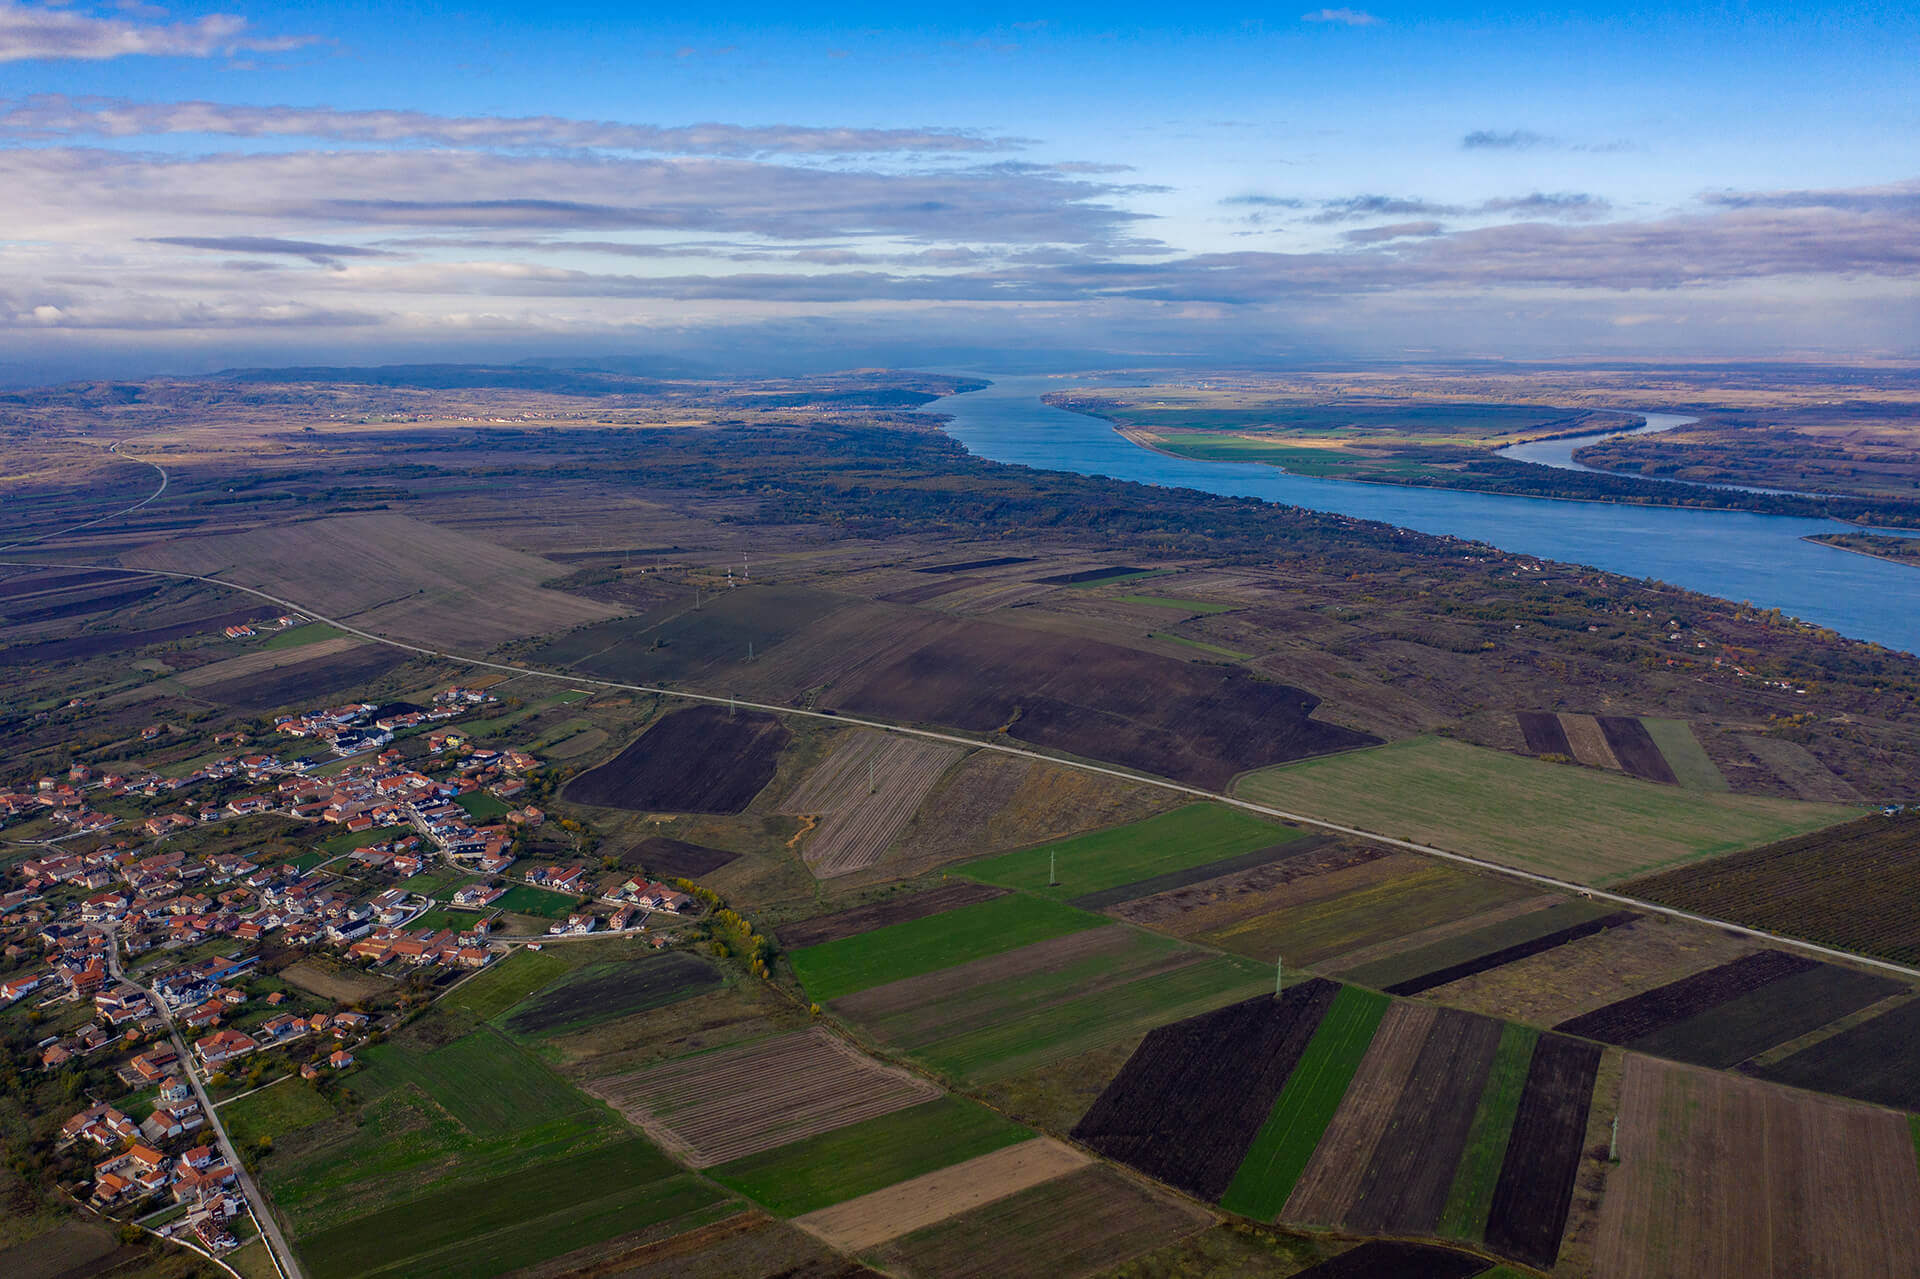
{"x": 1181, "y": 788}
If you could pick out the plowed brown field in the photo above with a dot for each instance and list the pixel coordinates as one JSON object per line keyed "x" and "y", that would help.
{"x": 1725, "y": 1176}
{"x": 713, "y": 1107}
{"x": 865, "y": 793}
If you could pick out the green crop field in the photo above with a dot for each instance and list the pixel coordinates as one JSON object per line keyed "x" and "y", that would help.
{"x": 871, "y": 1155}
{"x": 525, "y": 899}
{"x": 1233, "y": 654}
{"x": 347, "y": 842}
{"x": 1190, "y": 836}
{"x": 1075, "y": 1025}
{"x": 275, "y": 1111}
{"x": 1689, "y": 760}
{"x": 1581, "y": 824}
{"x": 512, "y": 1220}
{"x": 1306, "y": 1105}
{"x": 1471, "y": 1196}
{"x": 297, "y": 636}
{"x": 481, "y": 1079}
{"x": 492, "y": 991}
{"x": 481, "y": 806}
{"x": 850, "y": 964}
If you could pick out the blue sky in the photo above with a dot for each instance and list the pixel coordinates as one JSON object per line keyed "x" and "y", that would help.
{"x": 210, "y": 185}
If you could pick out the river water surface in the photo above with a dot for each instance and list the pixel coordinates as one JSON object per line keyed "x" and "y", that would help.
{"x": 1733, "y": 554}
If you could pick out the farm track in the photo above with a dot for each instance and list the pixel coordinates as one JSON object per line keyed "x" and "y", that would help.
{"x": 866, "y": 792}
{"x": 1180, "y": 788}
{"x": 716, "y": 1107}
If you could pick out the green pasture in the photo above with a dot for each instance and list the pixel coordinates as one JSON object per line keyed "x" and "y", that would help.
{"x": 1186, "y": 837}
{"x": 850, "y": 964}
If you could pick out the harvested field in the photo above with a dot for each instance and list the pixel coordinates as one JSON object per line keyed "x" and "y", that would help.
{"x": 1417, "y": 962}
{"x": 1024, "y": 1008}
{"x": 836, "y": 968}
{"x": 1423, "y": 893}
{"x": 1510, "y": 954}
{"x": 1692, "y": 767}
{"x": 1749, "y": 1024}
{"x": 1199, "y": 724}
{"x": 1543, "y": 734}
{"x": 584, "y": 742}
{"x": 330, "y": 979}
{"x": 1528, "y": 1213}
{"x": 1306, "y": 1105}
{"x": 1590, "y": 973}
{"x": 864, "y": 1223}
{"x": 1315, "y": 872}
{"x": 1630, "y": 1019}
{"x": 1170, "y": 842}
{"x": 924, "y": 591}
{"x": 1194, "y": 1095}
{"x": 1408, "y": 1179}
{"x": 1724, "y": 1176}
{"x": 892, "y": 910}
{"x": 715, "y": 1107}
{"x": 1850, "y": 887}
{"x": 700, "y": 760}
{"x": 679, "y": 641}
{"x": 1579, "y": 824}
{"x": 991, "y": 801}
{"x": 1589, "y": 741}
{"x": 80, "y": 603}
{"x": 865, "y": 792}
{"x": 743, "y": 1245}
{"x": 1380, "y": 1259}
{"x": 410, "y": 579}
{"x": 675, "y": 859}
{"x": 1803, "y": 774}
{"x": 1332, "y": 1179}
{"x": 1634, "y": 747}
{"x": 1877, "y": 1060}
{"x": 602, "y": 992}
{"x": 861, "y": 1158}
{"x": 1076, "y": 1225}
{"x": 264, "y": 659}
{"x": 308, "y": 678}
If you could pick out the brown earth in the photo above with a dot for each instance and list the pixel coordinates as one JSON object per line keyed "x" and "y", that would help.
{"x": 860, "y": 1224}
{"x": 1588, "y": 741}
{"x": 701, "y": 760}
{"x": 716, "y": 1107}
{"x": 865, "y": 793}
{"x": 1332, "y": 1179}
{"x": 1327, "y": 871}
{"x": 1725, "y": 1176}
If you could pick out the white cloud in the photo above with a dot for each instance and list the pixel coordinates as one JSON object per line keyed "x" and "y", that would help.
{"x": 35, "y": 32}
{"x": 1342, "y": 17}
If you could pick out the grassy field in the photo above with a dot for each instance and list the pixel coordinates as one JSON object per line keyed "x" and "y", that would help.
{"x": 483, "y": 807}
{"x": 295, "y": 636}
{"x": 837, "y": 968}
{"x": 347, "y": 841}
{"x": 513, "y": 1220}
{"x": 1305, "y": 1106}
{"x": 1185, "y": 606}
{"x": 492, "y": 991}
{"x": 1576, "y": 823}
{"x": 482, "y": 1080}
{"x": 1684, "y": 754}
{"x": 275, "y": 1111}
{"x": 1471, "y": 1197}
{"x": 525, "y": 899}
{"x": 1190, "y": 836}
{"x": 868, "y": 1156}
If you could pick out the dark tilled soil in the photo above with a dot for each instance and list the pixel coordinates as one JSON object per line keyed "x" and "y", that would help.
{"x": 1508, "y": 954}
{"x": 22, "y": 614}
{"x": 894, "y": 910}
{"x": 1544, "y": 734}
{"x": 1754, "y": 1022}
{"x": 1088, "y": 575}
{"x": 1192, "y": 1097}
{"x": 81, "y": 647}
{"x": 1877, "y": 1061}
{"x": 1626, "y": 1020}
{"x": 1407, "y": 1182}
{"x": 1382, "y": 1260}
{"x": 702, "y": 760}
{"x": 303, "y": 681}
{"x": 1530, "y": 1200}
{"x": 966, "y": 565}
{"x": 1636, "y": 750}
{"x": 675, "y": 859}
{"x": 603, "y": 993}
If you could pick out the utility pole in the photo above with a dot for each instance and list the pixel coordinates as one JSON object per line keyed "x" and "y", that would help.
{"x": 1279, "y": 969}
{"x": 1053, "y": 863}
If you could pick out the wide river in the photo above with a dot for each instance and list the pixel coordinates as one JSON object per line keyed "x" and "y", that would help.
{"x": 1733, "y": 554}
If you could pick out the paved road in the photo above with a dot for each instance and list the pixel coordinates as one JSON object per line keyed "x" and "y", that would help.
{"x": 1179, "y": 788}
{"x": 154, "y": 496}
{"x": 283, "y": 1259}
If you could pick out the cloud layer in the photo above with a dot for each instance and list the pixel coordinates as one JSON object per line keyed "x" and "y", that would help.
{"x": 43, "y": 32}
